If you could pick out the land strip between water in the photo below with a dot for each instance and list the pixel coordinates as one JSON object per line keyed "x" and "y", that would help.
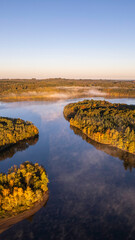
{"x": 55, "y": 89}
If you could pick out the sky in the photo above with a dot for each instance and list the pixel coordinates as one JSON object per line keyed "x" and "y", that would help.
{"x": 92, "y": 39}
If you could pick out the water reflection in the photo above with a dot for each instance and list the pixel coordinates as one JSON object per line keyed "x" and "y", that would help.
{"x": 128, "y": 158}
{"x": 91, "y": 194}
{"x": 28, "y": 214}
{"x": 20, "y": 146}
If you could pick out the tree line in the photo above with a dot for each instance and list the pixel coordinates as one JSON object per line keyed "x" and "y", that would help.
{"x": 13, "y": 130}
{"x": 104, "y": 122}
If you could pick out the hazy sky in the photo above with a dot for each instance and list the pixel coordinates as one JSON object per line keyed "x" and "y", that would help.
{"x": 67, "y": 38}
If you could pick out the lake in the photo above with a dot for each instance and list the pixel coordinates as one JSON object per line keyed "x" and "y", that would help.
{"x": 92, "y": 187}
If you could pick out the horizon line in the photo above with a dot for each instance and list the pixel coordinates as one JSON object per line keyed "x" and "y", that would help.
{"x": 62, "y": 78}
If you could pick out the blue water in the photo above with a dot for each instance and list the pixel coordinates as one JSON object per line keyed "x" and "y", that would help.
{"x": 92, "y": 196}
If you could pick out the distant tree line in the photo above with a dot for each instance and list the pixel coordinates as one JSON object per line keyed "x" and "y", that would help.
{"x": 111, "y": 87}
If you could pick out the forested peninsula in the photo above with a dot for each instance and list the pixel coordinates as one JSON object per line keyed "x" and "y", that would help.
{"x": 104, "y": 122}
{"x": 14, "y": 130}
{"x": 21, "y": 188}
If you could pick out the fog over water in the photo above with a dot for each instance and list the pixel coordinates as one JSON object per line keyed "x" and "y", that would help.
{"x": 57, "y": 93}
{"x": 92, "y": 195}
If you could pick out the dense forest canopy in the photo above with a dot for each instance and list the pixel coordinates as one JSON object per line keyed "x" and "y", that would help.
{"x": 13, "y": 130}
{"x": 104, "y": 122}
{"x": 21, "y": 188}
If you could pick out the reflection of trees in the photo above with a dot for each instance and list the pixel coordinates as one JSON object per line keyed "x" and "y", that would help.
{"x": 20, "y": 146}
{"x": 28, "y": 214}
{"x": 128, "y": 158}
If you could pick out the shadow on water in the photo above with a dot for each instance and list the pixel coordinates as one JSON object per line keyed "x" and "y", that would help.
{"x": 20, "y": 146}
{"x": 127, "y": 158}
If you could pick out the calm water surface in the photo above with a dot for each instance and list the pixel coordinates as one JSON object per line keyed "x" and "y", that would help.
{"x": 92, "y": 196}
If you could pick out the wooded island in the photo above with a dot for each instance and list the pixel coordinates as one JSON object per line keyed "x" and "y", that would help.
{"x": 104, "y": 122}
{"x": 21, "y": 188}
{"x": 13, "y": 130}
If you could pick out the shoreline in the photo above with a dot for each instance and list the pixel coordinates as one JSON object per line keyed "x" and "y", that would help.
{"x": 88, "y": 114}
{"x": 8, "y": 222}
{"x": 101, "y": 142}
{"x": 53, "y": 99}
{"x": 7, "y": 146}
{"x": 14, "y": 130}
